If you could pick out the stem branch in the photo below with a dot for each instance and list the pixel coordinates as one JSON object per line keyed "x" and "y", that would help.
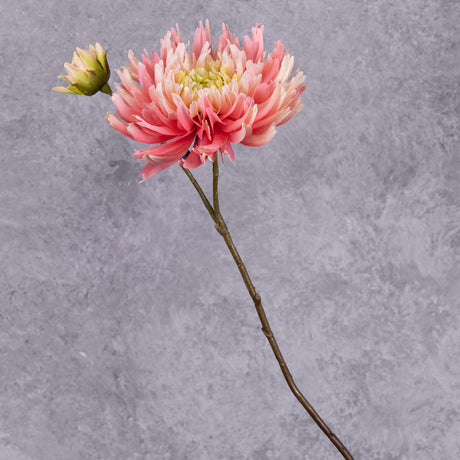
{"x": 221, "y": 227}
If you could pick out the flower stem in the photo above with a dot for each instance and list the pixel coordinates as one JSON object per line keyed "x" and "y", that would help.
{"x": 221, "y": 227}
{"x": 201, "y": 193}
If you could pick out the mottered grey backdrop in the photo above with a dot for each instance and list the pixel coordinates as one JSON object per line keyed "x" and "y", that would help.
{"x": 126, "y": 332}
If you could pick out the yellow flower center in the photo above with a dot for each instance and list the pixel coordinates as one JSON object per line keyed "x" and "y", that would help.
{"x": 214, "y": 75}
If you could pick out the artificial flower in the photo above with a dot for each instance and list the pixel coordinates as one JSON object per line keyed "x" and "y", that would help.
{"x": 195, "y": 102}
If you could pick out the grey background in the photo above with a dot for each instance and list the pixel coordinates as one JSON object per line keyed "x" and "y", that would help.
{"x": 126, "y": 332}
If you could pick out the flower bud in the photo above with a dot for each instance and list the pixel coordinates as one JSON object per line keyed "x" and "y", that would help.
{"x": 88, "y": 73}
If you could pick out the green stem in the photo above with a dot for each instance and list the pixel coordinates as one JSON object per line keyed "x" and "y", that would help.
{"x": 221, "y": 227}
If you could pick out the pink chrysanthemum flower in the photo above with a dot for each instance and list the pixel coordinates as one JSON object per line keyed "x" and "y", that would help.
{"x": 202, "y": 100}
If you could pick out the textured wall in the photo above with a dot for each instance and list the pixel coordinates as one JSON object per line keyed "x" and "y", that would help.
{"x": 126, "y": 332}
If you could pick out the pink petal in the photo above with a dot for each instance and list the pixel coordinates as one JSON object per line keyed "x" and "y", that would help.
{"x": 145, "y": 79}
{"x": 255, "y": 47}
{"x": 202, "y": 35}
{"x": 258, "y": 139}
{"x": 275, "y": 119}
{"x": 169, "y": 151}
{"x": 152, "y": 169}
{"x": 208, "y": 111}
{"x": 227, "y": 149}
{"x": 208, "y": 147}
{"x": 146, "y": 135}
{"x": 123, "y": 109}
{"x": 192, "y": 161}
{"x": 231, "y": 125}
{"x": 227, "y": 38}
{"x": 117, "y": 124}
{"x": 156, "y": 116}
{"x": 204, "y": 128}
{"x": 150, "y": 63}
{"x": 184, "y": 118}
{"x": 237, "y": 136}
{"x": 263, "y": 92}
{"x": 161, "y": 129}
{"x": 273, "y": 63}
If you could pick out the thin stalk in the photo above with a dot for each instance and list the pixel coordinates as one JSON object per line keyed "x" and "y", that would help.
{"x": 215, "y": 180}
{"x": 201, "y": 193}
{"x": 221, "y": 227}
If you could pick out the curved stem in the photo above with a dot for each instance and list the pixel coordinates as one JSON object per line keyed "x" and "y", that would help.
{"x": 215, "y": 180}
{"x": 221, "y": 227}
{"x": 200, "y": 192}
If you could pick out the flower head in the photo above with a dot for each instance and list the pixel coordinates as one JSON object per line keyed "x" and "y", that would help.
{"x": 196, "y": 102}
{"x": 88, "y": 73}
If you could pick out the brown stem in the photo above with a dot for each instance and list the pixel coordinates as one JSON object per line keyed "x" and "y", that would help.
{"x": 201, "y": 193}
{"x": 221, "y": 227}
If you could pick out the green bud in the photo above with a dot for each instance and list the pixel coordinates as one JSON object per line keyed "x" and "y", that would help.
{"x": 88, "y": 73}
